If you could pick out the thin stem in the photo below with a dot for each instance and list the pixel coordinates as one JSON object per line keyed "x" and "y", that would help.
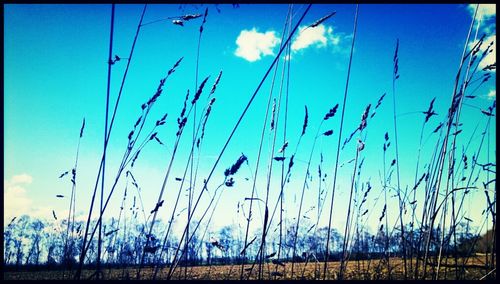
{"x": 72, "y": 204}
{"x": 82, "y": 255}
{"x": 258, "y": 158}
{"x": 238, "y": 123}
{"x": 338, "y": 144}
{"x": 445, "y": 142}
{"x": 270, "y": 166}
{"x": 281, "y": 197}
{"x": 347, "y": 224}
{"x": 99, "y": 242}
{"x": 397, "y": 173}
{"x": 177, "y": 199}
{"x": 302, "y": 197}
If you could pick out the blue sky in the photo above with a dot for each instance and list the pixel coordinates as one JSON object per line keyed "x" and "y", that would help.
{"x": 55, "y": 75}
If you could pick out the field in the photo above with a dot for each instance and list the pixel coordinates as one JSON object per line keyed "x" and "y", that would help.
{"x": 290, "y": 138}
{"x": 362, "y": 270}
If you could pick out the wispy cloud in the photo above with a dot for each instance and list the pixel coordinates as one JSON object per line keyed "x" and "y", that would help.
{"x": 486, "y": 17}
{"x": 21, "y": 179}
{"x": 492, "y": 95}
{"x": 252, "y": 45}
{"x": 486, "y": 11}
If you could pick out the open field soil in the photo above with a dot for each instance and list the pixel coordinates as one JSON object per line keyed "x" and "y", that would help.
{"x": 356, "y": 270}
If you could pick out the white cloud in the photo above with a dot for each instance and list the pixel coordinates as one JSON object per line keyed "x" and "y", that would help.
{"x": 16, "y": 199}
{"x": 252, "y": 45}
{"x": 310, "y": 36}
{"x": 319, "y": 37}
{"x": 486, "y": 11}
{"x": 486, "y": 16}
{"x": 490, "y": 58}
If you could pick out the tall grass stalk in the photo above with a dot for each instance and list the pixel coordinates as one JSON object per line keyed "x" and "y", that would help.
{"x": 327, "y": 250}
{"x": 122, "y": 213}
{"x": 238, "y": 123}
{"x": 278, "y": 201}
{"x": 469, "y": 179}
{"x": 347, "y": 225}
{"x": 82, "y": 255}
{"x": 281, "y": 197}
{"x": 451, "y": 160}
{"x": 386, "y": 248}
{"x": 493, "y": 212}
{"x": 395, "y": 76}
{"x": 260, "y": 150}
{"x": 466, "y": 80}
{"x": 72, "y": 206}
{"x": 451, "y": 113}
{"x": 191, "y": 179}
{"x": 275, "y": 120}
{"x": 228, "y": 174}
{"x": 201, "y": 123}
{"x": 304, "y": 185}
{"x": 428, "y": 179}
{"x": 182, "y": 122}
{"x": 99, "y": 242}
{"x": 453, "y": 219}
{"x": 414, "y": 206}
{"x": 349, "y": 217}
{"x": 127, "y": 157}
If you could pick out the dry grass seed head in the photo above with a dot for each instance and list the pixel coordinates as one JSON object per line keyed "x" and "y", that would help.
{"x": 380, "y": 101}
{"x": 236, "y": 166}
{"x": 364, "y": 118}
{"x": 204, "y": 20}
{"x": 162, "y": 120}
{"x": 283, "y": 147}
{"x": 63, "y": 174}
{"x": 331, "y": 112}
{"x": 200, "y": 89}
{"x": 172, "y": 70}
{"x": 273, "y": 114}
{"x": 328, "y": 132}
{"x": 81, "y": 129}
{"x": 321, "y": 20}
{"x": 215, "y": 84}
{"x": 190, "y": 17}
{"x": 306, "y": 118}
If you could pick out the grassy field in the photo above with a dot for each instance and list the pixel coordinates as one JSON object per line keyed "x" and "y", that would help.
{"x": 356, "y": 270}
{"x": 423, "y": 199}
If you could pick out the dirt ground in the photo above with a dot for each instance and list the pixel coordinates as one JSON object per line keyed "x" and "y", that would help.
{"x": 355, "y": 270}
